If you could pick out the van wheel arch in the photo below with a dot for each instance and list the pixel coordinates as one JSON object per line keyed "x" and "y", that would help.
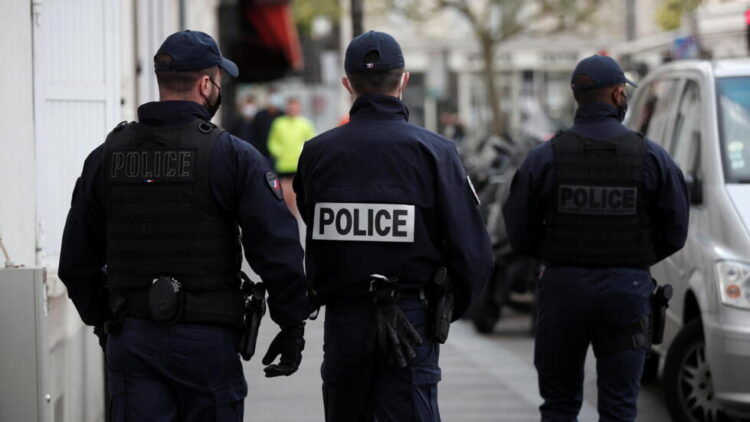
{"x": 691, "y": 309}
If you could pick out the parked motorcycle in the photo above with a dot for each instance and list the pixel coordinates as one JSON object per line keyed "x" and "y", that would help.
{"x": 514, "y": 277}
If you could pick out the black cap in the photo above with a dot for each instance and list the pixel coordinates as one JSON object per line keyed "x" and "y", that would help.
{"x": 385, "y": 45}
{"x": 193, "y": 50}
{"x": 602, "y": 71}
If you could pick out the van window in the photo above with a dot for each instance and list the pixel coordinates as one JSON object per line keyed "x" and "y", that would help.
{"x": 686, "y": 136}
{"x": 653, "y": 109}
{"x": 734, "y": 126}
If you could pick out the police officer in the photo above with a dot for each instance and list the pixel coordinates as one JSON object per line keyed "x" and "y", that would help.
{"x": 383, "y": 196}
{"x": 599, "y": 204}
{"x": 152, "y": 249}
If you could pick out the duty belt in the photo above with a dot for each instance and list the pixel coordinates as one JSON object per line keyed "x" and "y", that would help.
{"x": 380, "y": 284}
{"x": 188, "y": 282}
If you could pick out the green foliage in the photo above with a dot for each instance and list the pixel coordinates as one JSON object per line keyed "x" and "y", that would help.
{"x": 305, "y": 12}
{"x": 669, "y": 13}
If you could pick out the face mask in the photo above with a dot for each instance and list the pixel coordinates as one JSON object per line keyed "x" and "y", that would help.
{"x": 249, "y": 110}
{"x": 213, "y": 108}
{"x": 276, "y": 100}
{"x": 622, "y": 109}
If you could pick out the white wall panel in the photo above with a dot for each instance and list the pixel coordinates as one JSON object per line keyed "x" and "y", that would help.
{"x": 155, "y": 21}
{"x": 76, "y": 103}
{"x": 17, "y": 169}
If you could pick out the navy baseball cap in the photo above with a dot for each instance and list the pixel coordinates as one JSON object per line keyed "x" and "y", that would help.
{"x": 193, "y": 50}
{"x": 372, "y": 41}
{"x": 603, "y": 71}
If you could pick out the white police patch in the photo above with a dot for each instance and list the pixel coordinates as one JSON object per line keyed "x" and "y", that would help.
{"x": 364, "y": 222}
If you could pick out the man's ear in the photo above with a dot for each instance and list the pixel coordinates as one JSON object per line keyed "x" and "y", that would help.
{"x": 618, "y": 95}
{"x": 347, "y": 84}
{"x": 204, "y": 86}
{"x": 406, "y": 81}
{"x": 622, "y": 94}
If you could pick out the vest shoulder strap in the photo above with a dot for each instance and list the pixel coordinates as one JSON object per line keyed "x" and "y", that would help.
{"x": 570, "y": 142}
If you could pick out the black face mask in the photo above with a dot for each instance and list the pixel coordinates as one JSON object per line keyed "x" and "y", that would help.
{"x": 622, "y": 109}
{"x": 213, "y": 108}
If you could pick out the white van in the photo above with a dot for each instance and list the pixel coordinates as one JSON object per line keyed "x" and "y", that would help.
{"x": 700, "y": 113}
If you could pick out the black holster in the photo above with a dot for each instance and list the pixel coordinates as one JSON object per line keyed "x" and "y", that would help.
{"x": 443, "y": 304}
{"x": 659, "y": 304}
{"x": 254, "y": 296}
{"x": 119, "y": 311}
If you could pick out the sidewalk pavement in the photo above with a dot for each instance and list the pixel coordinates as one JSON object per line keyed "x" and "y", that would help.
{"x": 481, "y": 381}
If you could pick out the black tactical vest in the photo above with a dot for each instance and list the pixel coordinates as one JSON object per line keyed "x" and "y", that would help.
{"x": 598, "y": 212}
{"x": 161, "y": 220}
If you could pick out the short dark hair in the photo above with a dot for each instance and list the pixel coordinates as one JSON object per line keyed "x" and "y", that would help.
{"x": 376, "y": 82}
{"x": 179, "y": 82}
{"x": 586, "y": 96}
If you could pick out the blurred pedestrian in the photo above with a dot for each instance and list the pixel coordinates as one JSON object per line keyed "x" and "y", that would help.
{"x": 243, "y": 128}
{"x": 285, "y": 140}
{"x": 452, "y": 128}
{"x": 152, "y": 249}
{"x": 396, "y": 248}
{"x": 599, "y": 204}
{"x": 264, "y": 119}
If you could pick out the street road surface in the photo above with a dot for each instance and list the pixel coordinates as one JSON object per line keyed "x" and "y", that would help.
{"x": 485, "y": 378}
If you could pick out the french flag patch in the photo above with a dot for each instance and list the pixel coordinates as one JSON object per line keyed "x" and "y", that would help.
{"x": 274, "y": 184}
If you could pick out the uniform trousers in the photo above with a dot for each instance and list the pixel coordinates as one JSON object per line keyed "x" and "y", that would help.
{"x": 583, "y": 306}
{"x": 183, "y": 372}
{"x": 359, "y": 388}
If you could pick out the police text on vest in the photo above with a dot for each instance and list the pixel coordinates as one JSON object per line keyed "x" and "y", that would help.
{"x": 597, "y": 200}
{"x": 152, "y": 165}
{"x": 364, "y": 222}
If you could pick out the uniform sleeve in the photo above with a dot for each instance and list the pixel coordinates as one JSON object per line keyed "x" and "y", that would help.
{"x": 468, "y": 247}
{"x": 524, "y": 209}
{"x": 82, "y": 256}
{"x": 671, "y": 204}
{"x": 270, "y": 236}
{"x": 298, "y": 183}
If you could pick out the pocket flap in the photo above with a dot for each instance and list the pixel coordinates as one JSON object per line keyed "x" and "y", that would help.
{"x": 423, "y": 375}
{"x": 231, "y": 392}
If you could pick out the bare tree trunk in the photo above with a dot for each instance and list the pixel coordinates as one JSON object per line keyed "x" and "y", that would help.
{"x": 357, "y": 17}
{"x": 493, "y": 96}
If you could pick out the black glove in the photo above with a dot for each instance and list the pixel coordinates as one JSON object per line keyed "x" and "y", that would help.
{"x": 288, "y": 343}
{"x": 395, "y": 337}
{"x": 99, "y": 332}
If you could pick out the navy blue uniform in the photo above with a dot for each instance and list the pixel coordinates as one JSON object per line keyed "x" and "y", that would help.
{"x": 577, "y": 303}
{"x": 191, "y": 372}
{"x": 383, "y": 196}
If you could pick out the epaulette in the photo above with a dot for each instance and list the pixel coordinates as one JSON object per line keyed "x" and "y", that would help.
{"x": 206, "y": 127}
{"x": 120, "y": 125}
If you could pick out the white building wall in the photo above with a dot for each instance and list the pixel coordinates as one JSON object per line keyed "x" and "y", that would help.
{"x": 202, "y": 15}
{"x": 145, "y": 25}
{"x": 17, "y": 167}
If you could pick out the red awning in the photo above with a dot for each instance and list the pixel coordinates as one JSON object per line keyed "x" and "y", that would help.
{"x": 275, "y": 27}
